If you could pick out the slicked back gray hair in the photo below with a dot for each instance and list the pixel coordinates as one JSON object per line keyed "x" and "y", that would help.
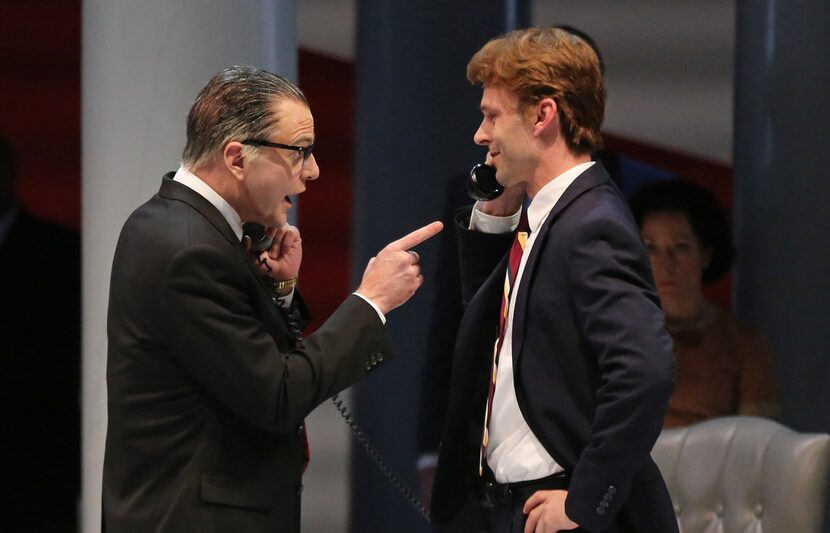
{"x": 236, "y": 104}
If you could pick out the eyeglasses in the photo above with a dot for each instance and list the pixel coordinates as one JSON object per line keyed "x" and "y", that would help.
{"x": 304, "y": 151}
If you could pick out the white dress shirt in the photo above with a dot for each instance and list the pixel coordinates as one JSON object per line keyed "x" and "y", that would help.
{"x": 513, "y": 452}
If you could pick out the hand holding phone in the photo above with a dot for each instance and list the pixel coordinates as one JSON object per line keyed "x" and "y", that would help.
{"x": 482, "y": 184}
{"x": 259, "y": 239}
{"x": 278, "y": 252}
{"x": 281, "y": 261}
{"x": 483, "y": 187}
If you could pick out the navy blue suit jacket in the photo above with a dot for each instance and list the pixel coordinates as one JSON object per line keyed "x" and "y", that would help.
{"x": 592, "y": 361}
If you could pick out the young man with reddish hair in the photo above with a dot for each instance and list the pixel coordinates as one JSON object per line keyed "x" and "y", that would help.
{"x": 563, "y": 368}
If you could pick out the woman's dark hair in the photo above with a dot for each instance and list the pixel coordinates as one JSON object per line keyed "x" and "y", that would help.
{"x": 706, "y": 216}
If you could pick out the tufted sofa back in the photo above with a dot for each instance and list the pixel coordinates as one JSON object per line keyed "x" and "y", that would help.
{"x": 744, "y": 474}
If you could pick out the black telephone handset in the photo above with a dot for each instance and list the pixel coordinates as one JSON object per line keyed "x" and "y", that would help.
{"x": 260, "y": 241}
{"x": 482, "y": 184}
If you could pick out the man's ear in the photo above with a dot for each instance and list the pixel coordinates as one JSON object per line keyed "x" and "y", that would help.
{"x": 234, "y": 159}
{"x": 547, "y": 118}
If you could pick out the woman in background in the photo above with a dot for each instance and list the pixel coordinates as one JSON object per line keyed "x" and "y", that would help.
{"x": 723, "y": 367}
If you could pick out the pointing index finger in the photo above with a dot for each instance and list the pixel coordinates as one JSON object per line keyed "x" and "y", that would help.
{"x": 417, "y": 237}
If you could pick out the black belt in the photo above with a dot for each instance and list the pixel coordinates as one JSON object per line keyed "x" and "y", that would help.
{"x": 497, "y": 494}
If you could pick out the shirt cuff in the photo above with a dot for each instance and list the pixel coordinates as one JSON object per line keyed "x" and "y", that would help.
{"x": 285, "y": 301}
{"x": 485, "y": 223}
{"x": 427, "y": 460}
{"x": 374, "y": 306}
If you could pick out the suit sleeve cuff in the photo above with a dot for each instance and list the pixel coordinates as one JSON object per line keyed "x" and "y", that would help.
{"x": 374, "y": 306}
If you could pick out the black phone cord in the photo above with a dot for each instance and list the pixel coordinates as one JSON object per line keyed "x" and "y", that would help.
{"x": 377, "y": 457}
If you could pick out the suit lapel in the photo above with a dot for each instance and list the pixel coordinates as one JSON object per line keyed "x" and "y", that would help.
{"x": 594, "y": 176}
{"x": 173, "y": 190}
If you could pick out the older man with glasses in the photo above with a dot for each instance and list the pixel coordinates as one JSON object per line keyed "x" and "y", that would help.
{"x": 208, "y": 376}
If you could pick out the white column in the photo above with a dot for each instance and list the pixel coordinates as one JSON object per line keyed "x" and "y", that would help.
{"x": 143, "y": 64}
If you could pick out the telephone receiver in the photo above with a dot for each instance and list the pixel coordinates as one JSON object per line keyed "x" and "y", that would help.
{"x": 482, "y": 184}
{"x": 260, "y": 241}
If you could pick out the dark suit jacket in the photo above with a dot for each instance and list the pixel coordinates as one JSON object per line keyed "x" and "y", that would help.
{"x": 207, "y": 389}
{"x": 40, "y": 310}
{"x": 627, "y": 173}
{"x": 592, "y": 361}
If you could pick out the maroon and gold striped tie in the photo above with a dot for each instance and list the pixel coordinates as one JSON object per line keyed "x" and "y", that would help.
{"x": 514, "y": 261}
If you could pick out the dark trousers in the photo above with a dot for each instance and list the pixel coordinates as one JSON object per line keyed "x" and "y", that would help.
{"x": 507, "y": 501}
{"x": 508, "y": 518}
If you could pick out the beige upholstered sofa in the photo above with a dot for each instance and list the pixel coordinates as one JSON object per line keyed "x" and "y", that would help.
{"x": 745, "y": 474}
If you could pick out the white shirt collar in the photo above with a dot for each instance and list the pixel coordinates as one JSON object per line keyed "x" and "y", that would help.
{"x": 545, "y": 200}
{"x": 194, "y": 182}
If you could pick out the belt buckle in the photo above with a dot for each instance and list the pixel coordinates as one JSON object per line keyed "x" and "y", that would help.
{"x": 495, "y": 496}
{"x": 489, "y": 489}
{"x": 507, "y": 494}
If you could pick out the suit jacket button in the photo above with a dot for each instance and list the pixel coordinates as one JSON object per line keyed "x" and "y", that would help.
{"x": 372, "y": 359}
{"x": 379, "y": 355}
{"x": 612, "y": 490}
{"x": 600, "y": 511}
{"x": 300, "y": 429}
{"x": 368, "y": 366}
{"x": 603, "y": 504}
{"x": 300, "y": 489}
{"x": 608, "y": 497}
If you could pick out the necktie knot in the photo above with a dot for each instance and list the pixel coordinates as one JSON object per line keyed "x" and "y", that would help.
{"x": 516, "y": 251}
{"x": 524, "y": 225}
